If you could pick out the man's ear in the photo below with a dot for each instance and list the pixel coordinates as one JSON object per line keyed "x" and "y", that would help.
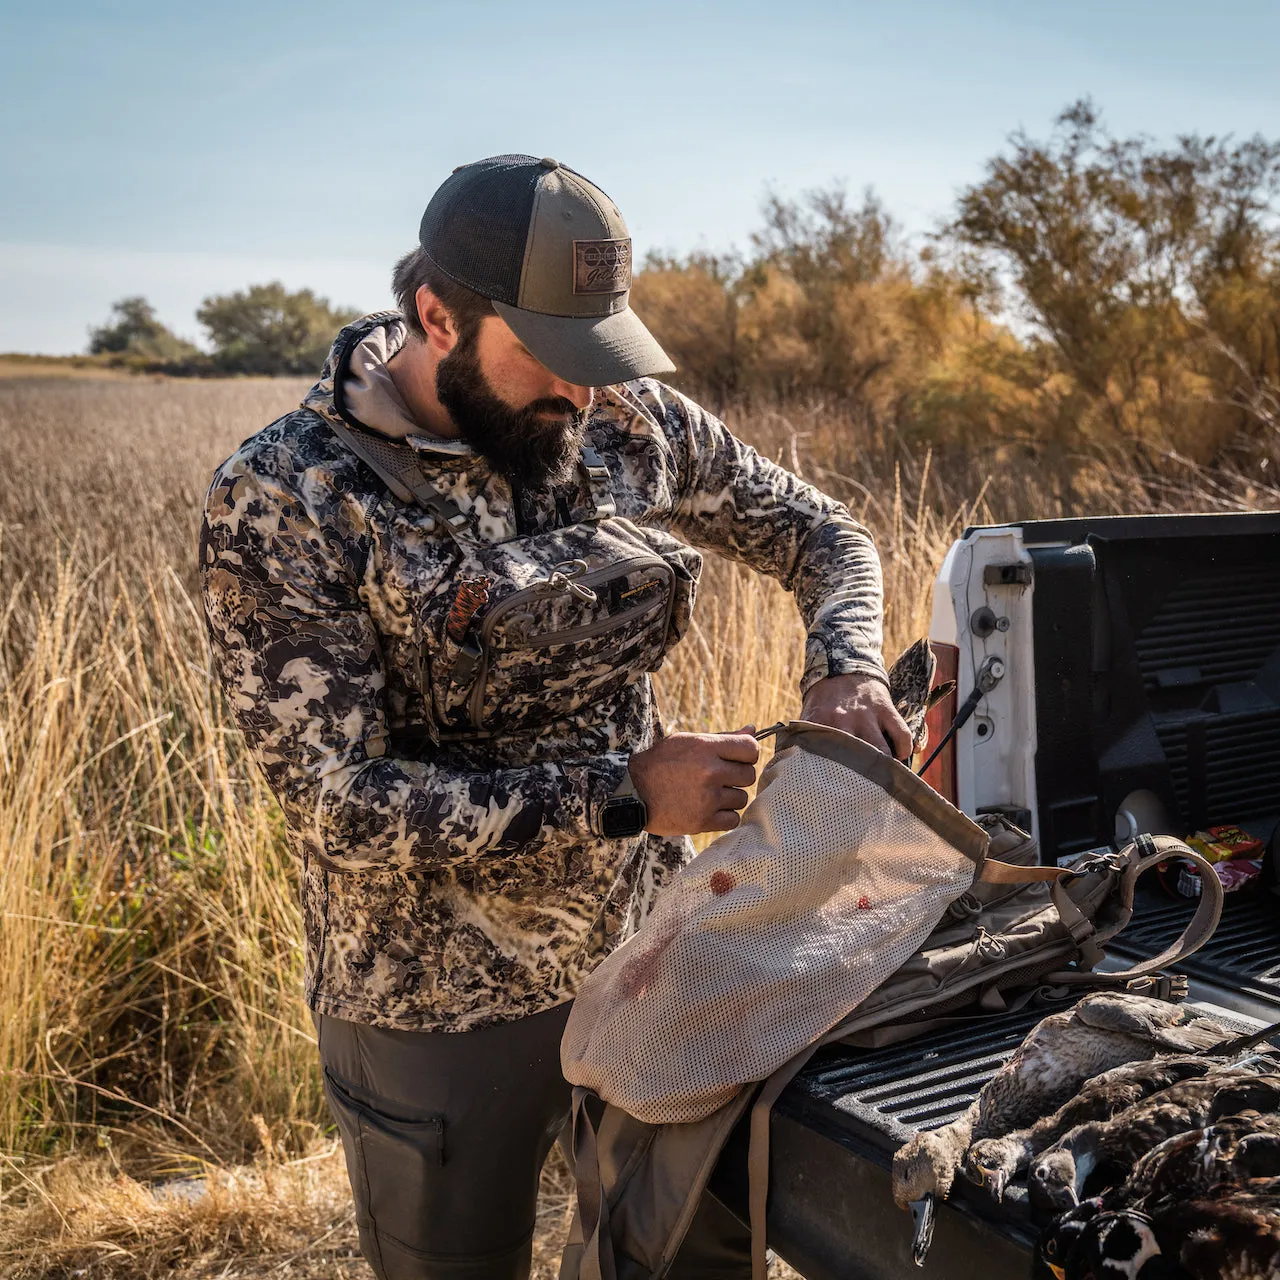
{"x": 441, "y": 330}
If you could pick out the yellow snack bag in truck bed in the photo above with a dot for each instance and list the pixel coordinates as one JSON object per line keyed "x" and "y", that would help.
{"x": 1222, "y": 844}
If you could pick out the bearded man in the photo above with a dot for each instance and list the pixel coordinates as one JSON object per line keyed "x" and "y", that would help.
{"x": 435, "y": 593}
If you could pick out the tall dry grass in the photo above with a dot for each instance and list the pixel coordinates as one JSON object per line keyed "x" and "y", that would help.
{"x": 150, "y": 963}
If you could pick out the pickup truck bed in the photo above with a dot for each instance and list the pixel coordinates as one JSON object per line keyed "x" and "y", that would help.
{"x": 1142, "y": 692}
{"x": 834, "y": 1130}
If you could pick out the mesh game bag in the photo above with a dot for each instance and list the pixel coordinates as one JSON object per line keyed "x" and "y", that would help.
{"x": 842, "y": 866}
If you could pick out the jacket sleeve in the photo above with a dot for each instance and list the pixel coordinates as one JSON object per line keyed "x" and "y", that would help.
{"x": 298, "y": 656}
{"x": 731, "y": 500}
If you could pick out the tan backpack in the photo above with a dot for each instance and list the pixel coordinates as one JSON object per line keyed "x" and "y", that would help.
{"x": 657, "y": 1091}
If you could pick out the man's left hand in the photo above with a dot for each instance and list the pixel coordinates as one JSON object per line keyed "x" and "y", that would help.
{"x": 859, "y": 704}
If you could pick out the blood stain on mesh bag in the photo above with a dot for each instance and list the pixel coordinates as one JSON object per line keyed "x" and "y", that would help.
{"x": 720, "y": 883}
{"x": 641, "y": 968}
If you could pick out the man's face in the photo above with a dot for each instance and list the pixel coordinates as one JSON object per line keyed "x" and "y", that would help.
{"x": 512, "y": 409}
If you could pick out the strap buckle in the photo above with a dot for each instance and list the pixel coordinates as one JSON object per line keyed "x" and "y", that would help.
{"x": 1160, "y": 986}
{"x": 593, "y": 464}
{"x": 598, "y": 482}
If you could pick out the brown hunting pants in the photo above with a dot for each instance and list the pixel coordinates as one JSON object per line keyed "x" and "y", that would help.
{"x": 445, "y": 1136}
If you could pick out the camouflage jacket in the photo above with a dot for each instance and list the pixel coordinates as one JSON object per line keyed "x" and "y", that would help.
{"x": 439, "y": 715}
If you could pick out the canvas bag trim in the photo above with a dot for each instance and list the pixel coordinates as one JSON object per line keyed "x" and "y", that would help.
{"x": 913, "y": 793}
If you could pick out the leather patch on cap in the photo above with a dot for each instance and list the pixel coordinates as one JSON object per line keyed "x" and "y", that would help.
{"x": 602, "y": 266}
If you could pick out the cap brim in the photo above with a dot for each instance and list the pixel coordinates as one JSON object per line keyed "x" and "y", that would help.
{"x": 590, "y": 351}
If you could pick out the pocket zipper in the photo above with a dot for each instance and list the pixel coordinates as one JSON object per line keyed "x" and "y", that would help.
{"x": 476, "y": 702}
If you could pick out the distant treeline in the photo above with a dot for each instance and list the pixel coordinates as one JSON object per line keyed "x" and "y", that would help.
{"x": 1088, "y": 289}
{"x": 261, "y": 329}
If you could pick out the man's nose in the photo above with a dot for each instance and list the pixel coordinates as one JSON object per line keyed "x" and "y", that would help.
{"x": 580, "y": 396}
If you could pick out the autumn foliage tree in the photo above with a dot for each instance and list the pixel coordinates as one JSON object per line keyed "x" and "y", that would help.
{"x": 1088, "y": 290}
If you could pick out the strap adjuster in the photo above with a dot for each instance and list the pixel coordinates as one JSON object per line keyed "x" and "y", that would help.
{"x": 593, "y": 464}
{"x": 1160, "y": 986}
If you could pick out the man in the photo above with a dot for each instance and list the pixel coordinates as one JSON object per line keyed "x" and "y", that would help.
{"x": 435, "y": 592}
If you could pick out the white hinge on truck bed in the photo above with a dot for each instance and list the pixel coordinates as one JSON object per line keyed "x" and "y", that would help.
{"x": 982, "y": 606}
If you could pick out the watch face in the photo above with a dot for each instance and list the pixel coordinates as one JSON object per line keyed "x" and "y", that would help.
{"x": 622, "y": 816}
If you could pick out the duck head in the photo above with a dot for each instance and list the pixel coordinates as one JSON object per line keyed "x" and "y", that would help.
{"x": 1059, "y": 1242}
{"x": 1052, "y": 1182}
{"x": 992, "y": 1163}
{"x": 1113, "y": 1246}
{"x": 924, "y": 1166}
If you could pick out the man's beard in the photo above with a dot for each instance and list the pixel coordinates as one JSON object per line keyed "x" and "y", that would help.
{"x": 534, "y": 446}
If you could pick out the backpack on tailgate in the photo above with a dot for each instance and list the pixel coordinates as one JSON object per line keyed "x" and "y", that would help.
{"x": 852, "y": 903}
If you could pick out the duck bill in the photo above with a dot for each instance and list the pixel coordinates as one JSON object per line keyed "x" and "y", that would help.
{"x": 922, "y": 1214}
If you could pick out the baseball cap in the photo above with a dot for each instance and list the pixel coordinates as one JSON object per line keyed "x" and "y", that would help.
{"x": 551, "y": 252}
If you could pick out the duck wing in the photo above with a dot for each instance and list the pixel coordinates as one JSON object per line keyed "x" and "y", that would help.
{"x": 1211, "y": 1159}
{"x": 1113, "y": 1147}
{"x": 910, "y": 679}
{"x": 1115, "y": 1091}
{"x": 1169, "y": 1027}
{"x": 1051, "y": 1065}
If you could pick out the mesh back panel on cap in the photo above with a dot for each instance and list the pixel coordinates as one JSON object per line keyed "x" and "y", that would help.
{"x": 477, "y": 223}
{"x": 762, "y": 943}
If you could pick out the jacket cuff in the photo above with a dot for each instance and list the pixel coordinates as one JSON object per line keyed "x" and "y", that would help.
{"x": 590, "y": 784}
{"x": 820, "y": 663}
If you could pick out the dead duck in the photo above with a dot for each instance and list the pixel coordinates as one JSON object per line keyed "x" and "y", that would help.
{"x": 1117, "y": 1245}
{"x": 1111, "y": 1148}
{"x": 992, "y": 1163}
{"x": 1235, "y": 1237}
{"x": 1062, "y": 1051}
{"x": 1238, "y": 1154}
{"x": 1231, "y": 1236}
{"x": 1232, "y": 1153}
{"x": 912, "y": 691}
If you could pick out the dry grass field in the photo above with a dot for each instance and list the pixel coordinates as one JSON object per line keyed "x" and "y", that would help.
{"x": 151, "y": 1027}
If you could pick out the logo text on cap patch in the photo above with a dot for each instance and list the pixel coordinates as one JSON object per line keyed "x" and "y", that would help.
{"x": 601, "y": 266}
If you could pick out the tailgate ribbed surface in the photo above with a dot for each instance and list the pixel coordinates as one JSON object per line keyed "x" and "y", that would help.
{"x": 891, "y": 1093}
{"x": 1244, "y": 952}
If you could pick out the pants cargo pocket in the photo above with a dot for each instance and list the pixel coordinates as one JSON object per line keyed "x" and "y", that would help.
{"x": 392, "y": 1163}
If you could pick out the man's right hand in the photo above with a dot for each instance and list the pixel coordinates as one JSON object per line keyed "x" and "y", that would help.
{"x": 692, "y": 782}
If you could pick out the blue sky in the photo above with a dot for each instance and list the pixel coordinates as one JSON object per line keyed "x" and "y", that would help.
{"x": 176, "y": 150}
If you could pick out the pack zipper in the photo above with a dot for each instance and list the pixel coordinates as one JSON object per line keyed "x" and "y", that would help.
{"x": 475, "y": 708}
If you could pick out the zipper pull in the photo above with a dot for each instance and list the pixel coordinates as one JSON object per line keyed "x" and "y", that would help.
{"x": 564, "y": 578}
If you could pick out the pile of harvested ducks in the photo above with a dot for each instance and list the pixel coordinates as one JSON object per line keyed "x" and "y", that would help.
{"x": 1145, "y": 1136}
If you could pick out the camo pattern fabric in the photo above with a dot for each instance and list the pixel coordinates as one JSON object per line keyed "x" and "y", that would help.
{"x": 450, "y": 882}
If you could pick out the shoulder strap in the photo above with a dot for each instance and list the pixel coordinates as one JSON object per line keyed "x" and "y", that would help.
{"x": 1144, "y": 853}
{"x": 397, "y": 467}
{"x": 599, "y": 485}
{"x": 1147, "y": 851}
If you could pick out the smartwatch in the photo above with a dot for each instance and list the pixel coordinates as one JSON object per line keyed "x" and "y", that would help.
{"x": 623, "y": 815}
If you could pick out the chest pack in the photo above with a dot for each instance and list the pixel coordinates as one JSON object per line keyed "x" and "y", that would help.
{"x": 532, "y": 630}
{"x": 852, "y": 904}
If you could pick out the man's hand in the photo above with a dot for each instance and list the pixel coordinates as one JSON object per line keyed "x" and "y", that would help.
{"x": 860, "y": 705}
{"x": 692, "y": 782}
